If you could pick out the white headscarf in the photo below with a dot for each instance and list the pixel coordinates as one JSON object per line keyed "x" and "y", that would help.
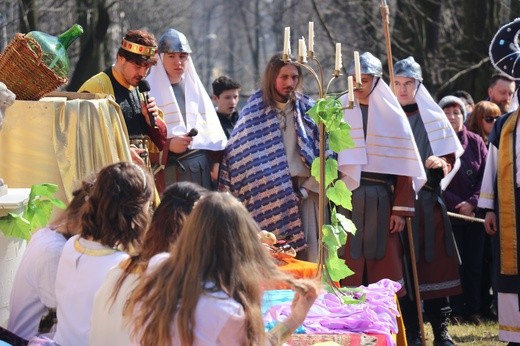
{"x": 200, "y": 112}
{"x": 442, "y": 137}
{"x": 389, "y": 146}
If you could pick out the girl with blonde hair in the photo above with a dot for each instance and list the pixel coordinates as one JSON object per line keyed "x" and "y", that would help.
{"x": 209, "y": 290}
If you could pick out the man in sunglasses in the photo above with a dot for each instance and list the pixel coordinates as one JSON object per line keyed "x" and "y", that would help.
{"x": 133, "y": 61}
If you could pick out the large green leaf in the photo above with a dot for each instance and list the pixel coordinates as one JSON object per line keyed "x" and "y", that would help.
{"x": 340, "y": 138}
{"x": 15, "y": 226}
{"x": 346, "y": 224}
{"x": 333, "y": 237}
{"x": 36, "y": 215}
{"x": 348, "y": 299}
{"x": 339, "y": 194}
{"x": 337, "y": 268}
{"x": 331, "y": 170}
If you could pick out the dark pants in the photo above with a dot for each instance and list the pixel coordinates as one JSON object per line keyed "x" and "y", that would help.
{"x": 470, "y": 238}
{"x": 489, "y": 273}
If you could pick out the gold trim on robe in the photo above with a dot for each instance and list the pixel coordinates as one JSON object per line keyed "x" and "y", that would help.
{"x": 506, "y": 201}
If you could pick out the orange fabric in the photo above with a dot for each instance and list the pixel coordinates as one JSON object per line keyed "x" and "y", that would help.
{"x": 299, "y": 269}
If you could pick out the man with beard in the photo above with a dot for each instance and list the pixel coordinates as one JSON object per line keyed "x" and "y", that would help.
{"x": 501, "y": 90}
{"x": 268, "y": 157}
{"x": 134, "y": 59}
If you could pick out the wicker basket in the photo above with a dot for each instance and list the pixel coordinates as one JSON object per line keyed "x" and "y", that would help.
{"x": 24, "y": 72}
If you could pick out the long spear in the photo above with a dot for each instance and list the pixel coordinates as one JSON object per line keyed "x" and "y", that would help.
{"x": 386, "y": 24}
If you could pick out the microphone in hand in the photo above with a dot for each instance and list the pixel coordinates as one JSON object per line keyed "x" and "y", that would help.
{"x": 193, "y": 132}
{"x": 144, "y": 88}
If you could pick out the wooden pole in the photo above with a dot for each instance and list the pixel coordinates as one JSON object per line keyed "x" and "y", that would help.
{"x": 321, "y": 201}
{"x": 465, "y": 218}
{"x": 413, "y": 264}
{"x": 386, "y": 26}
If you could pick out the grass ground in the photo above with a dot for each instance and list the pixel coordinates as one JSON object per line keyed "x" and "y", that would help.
{"x": 485, "y": 334}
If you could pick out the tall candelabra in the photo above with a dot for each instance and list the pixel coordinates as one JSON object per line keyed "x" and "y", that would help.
{"x": 305, "y": 55}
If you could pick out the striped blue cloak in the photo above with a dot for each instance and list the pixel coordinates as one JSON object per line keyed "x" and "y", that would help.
{"x": 255, "y": 168}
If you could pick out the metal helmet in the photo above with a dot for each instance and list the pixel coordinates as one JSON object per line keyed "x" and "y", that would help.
{"x": 173, "y": 41}
{"x": 369, "y": 64}
{"x": 408, "y": 68}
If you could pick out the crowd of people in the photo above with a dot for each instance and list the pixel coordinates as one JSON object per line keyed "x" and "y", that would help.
{"x": 121, "y": 268}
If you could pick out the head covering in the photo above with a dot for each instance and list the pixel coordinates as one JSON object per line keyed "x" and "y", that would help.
{"x": 442, "y": 137}
{"x": 389, "y": 146}
{"x": 200, "y": 112}
{"x": 139, "y": 46}
{"x": 368, "y": 64}
{"x": 504, "y": 51}
{"x": 408, "y": 68}
{"x": 173, "y": 41}
{"x": 139, "y": 49}
{"x": 449, "y": 100}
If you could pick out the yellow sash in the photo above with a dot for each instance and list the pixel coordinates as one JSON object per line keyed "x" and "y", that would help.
{"x": 506, "y": 201}
{"x": 93, "y": 252}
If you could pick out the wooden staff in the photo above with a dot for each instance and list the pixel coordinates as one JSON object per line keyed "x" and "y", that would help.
{"x": 386, "y": 26}
{"x": 415, "y": 279}
{"x": 465, "y": 217}
{"x": 413, "y": 264}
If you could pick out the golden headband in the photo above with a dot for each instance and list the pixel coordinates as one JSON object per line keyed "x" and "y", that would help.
{"x": 137, "y": 48}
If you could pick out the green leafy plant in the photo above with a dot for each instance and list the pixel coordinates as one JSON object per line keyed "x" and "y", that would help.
{"x": 329, "y": 111}
{"x": 36, "y": 214}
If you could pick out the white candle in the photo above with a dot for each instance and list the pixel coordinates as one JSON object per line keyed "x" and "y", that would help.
{"x": 304, "y": 50}
{"x": 301, "y": 52}
{"x": 338, "y": 65}
{"x": 350, "y": 89}
{"x": 311, "y": 36}
{"x": 286, "y": 41}
{"x": 357, "y": 66}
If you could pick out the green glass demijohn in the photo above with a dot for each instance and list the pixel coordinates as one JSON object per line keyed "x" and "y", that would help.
{"x": 54, "y": 49}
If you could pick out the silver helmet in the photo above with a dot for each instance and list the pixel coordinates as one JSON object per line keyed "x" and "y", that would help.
{"x": 369, "y": 64}
{"x": 173, "y": 41}
{"x": 408, "y": 68}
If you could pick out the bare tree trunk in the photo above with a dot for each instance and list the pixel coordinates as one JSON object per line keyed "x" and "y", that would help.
{"x": 91, "y": 59}
{"x": 28, "y": 16}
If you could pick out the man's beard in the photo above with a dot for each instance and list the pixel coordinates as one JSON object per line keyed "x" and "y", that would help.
{"x": 504, "y": 107}
{"x": 287, "y": 97}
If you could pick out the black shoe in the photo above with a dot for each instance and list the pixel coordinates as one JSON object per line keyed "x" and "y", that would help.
{"x": 457, "y": 320}
{"x": 490, "y": 315}
{"x": 475, "y": 319}
{"x": 415, "y": 342}
{"x": 513, "y": 344}
{"x": 444, "y": 341}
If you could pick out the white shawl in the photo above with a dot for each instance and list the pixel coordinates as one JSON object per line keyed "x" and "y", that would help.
{"x": 389, "y": 146}
{"x": 442, "y": 137}
{"x": 200, "y": 112}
